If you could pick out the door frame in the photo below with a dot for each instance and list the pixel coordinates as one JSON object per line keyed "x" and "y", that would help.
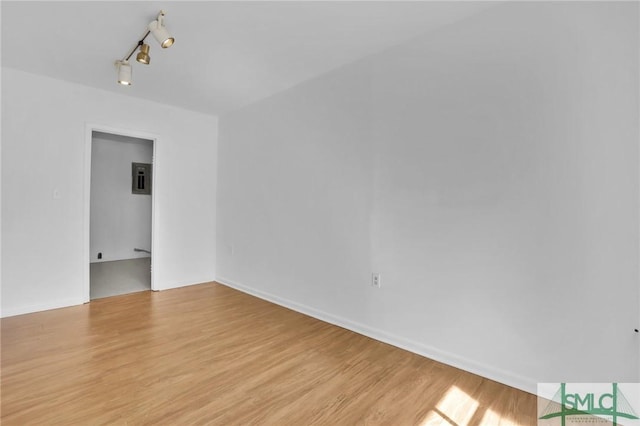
{"x": 89, "y": 129}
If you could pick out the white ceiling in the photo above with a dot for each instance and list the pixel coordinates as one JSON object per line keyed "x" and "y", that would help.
{"x": 227, "y": 53}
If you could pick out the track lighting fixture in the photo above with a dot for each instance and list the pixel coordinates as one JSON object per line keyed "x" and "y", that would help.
{"x": 160, "y": 32}
{"x": 143, "y": 56}
{"x": 163, "y": 37}
{"x": 124, "y": 73}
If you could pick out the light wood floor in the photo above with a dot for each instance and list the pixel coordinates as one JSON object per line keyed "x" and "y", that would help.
{"x": 208, "y": 354}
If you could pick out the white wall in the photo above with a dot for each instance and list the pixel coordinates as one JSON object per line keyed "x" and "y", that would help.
{"x": 488, "y": 171}
{"x": 44, "y": 145}
{"x": 295, "y": 196}
{"x": 120, "y": 220}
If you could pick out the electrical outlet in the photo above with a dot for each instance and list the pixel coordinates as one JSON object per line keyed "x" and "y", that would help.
{"x": 99, "y": 255}
{"x": 375, "y": 280}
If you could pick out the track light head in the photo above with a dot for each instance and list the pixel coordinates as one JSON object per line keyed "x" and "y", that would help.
{"x": 124, "y": 73}
{"x": 143, "y": 56}
{"x": 160, "y": 32}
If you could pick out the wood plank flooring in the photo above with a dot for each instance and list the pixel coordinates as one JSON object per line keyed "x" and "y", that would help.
{"x": 208, "y": 354}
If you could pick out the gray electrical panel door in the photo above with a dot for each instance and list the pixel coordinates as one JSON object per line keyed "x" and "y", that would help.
{"x": 141, "y": 178}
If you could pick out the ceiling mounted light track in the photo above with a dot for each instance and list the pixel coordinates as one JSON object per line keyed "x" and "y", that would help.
{"x": 163, "y": 37}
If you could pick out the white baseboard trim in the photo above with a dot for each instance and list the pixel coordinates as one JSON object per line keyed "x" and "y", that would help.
{"x": 65, "y": 303}
{"x": 117, "y": 259}
{"x": 20, "y": 310}
{"x": 505, "y": 377}
{"x": 183, "y": 283}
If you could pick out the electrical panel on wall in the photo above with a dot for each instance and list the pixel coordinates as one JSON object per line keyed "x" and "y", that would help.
{"x": 141, "y": 178}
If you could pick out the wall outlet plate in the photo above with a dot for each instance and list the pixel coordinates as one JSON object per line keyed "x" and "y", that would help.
{"x": 375, "y": 279}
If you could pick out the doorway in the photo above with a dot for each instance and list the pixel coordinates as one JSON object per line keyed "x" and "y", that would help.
{"x": 121, "y": 192}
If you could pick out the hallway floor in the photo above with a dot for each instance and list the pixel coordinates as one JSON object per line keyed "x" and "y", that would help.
{"x": 120, "y": 277}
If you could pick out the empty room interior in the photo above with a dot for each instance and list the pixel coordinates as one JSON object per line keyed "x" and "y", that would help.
{"x": 319, "y": 212}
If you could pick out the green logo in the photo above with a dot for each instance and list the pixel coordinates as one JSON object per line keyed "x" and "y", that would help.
{"x": 611, "y": 405}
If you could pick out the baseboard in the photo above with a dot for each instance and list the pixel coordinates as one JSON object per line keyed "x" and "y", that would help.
{"x": 13, "y": 311}
{"x": 505, "y": 377}
{"x": 118, "y": 259}
{"x": 183, "y": 283}
{"x": 10, "y": 312}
